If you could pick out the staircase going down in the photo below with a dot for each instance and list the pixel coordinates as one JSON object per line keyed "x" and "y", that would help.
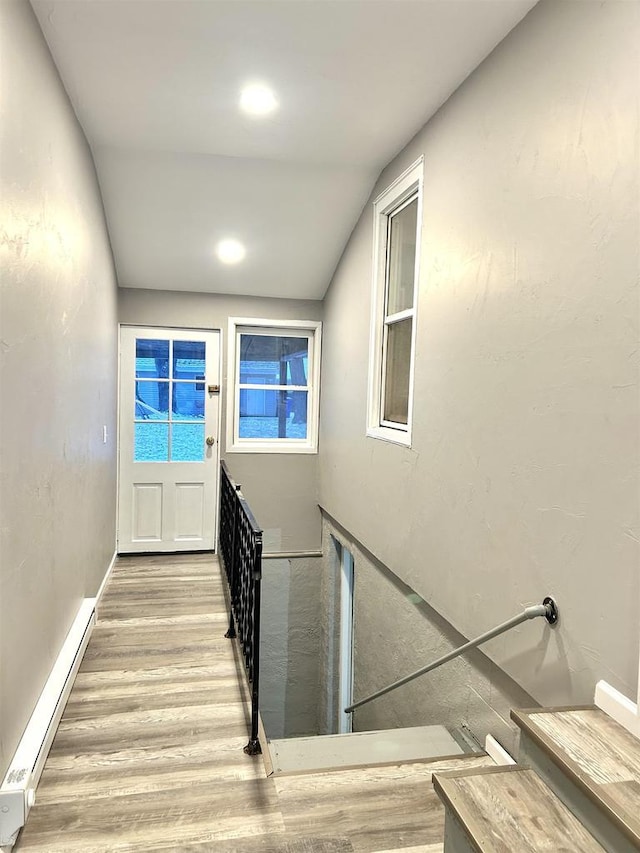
{"x": 149, "y": 756}
{"x": 576, "y": 788}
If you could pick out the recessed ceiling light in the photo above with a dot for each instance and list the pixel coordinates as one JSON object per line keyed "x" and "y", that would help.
{"x": 230, "y": 251}
{"x": 256, "y": 99}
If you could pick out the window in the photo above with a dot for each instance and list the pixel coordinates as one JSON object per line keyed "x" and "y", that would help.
{"x": 397, "y": 227}
{"x": 169, "y": 406}
{"x": 274, "y": 386}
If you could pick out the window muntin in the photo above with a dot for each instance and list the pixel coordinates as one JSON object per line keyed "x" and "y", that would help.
{"x": 274, "y": 376}
{"x": 168, "y": 404}
{"x": 397, "y": 226}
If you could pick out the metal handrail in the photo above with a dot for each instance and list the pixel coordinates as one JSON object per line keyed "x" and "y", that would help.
{"x": 240, "y": 550}
{"x": 547, "y": 609}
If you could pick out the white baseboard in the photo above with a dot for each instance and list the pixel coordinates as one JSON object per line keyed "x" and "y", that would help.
{"x": 496, "y": 751}
{"x": 105, "y": 579}
{"x": 17, "y": 792}
{"x": 617, "y": 706}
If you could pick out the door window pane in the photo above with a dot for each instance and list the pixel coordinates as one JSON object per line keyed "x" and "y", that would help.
{"x": 402, "y": 258}
{"x": 151, "y": 443}
{"x": 187, "y": 442}
{"x": 273, "y": 414}
{"x": 152, "y": 359}
{"x": 152, "y": 401}
{"x": 188, "y": 359}
{"x": 273, "y": 360}
{"x": 188, "y": 401}
{"x": 398, "y": 364}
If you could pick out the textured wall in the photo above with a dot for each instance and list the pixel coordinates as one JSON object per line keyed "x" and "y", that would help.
{"x": 58, "y": 352}
{"x": 395, "y": 633}
{"x": 281, "y": 488}
{"x": 290, "y": 647}
{"x": 524, "y": 472}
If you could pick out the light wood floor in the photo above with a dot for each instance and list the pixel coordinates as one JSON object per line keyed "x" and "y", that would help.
{"x": 597, "y": 751}
{"x": 148, "y": 755}
{"x": 507, "y": 809}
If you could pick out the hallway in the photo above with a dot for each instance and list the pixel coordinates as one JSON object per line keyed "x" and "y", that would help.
{"x": 148, "y": 755}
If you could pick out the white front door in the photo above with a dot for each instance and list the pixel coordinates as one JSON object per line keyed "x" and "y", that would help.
{"x": 168, "y": 439}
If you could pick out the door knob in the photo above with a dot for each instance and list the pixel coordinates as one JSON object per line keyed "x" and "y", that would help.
{"x": 210, "y": 441}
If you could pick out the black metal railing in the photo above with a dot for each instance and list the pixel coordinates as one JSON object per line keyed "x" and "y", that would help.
{"x": 240, "y": 550}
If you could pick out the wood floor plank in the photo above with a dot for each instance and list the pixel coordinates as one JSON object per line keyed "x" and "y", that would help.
{"x": 153, "y": 632}
{"x": 150, "y": 729}
{"x": 93, "y": 775}
{"x": 597, "y": 755}
{"x": 512, "y": 809}
{"x": 603, "y": 749}
{"x": 625, "y": 794}
{"x": 145, "y": 608}
{"x": 127, "y": 696}
{"x": 423, "y": 848}
{"x": 133, "y": 656}
{"x": 277, "y": 843}
{"x": 376, "y": 808}
{"x": 208, "y": 813}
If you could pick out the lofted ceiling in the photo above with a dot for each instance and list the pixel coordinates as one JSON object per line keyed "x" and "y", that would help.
{"x": 156, "y": 84}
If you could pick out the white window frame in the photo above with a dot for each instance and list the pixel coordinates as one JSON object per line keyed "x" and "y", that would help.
{"x": 309, "y": 329}
{"x": 407, "y": 185}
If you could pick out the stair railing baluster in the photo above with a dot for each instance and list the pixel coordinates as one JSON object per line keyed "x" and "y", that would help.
{"x": 240, "y": 551}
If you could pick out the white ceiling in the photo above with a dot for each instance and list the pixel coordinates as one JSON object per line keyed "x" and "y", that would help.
{"x": 155, "y": 85}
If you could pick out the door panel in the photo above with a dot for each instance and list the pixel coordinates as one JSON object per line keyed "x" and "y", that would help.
{"x": 189, "y": 510}
{"x": 147, "y": 512}
{"x": 168, "y": 436}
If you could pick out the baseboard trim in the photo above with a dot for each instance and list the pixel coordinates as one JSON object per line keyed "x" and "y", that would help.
{"x": 105, "y": 579}
{"x": 17, "y": 792}
{"x": 497, "y": 752}
{"x": 618, "y": 707}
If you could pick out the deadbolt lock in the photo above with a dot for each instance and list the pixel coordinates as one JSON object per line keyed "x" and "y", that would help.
{"x": 213, "y": 389}
{"x": 210, "y": 441}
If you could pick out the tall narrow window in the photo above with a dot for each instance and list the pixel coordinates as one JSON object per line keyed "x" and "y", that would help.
{"x": 273, "y": 386}
{"x": 397, "y": 221}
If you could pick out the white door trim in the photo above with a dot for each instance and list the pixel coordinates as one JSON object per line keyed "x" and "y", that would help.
{"x": 345, "y": 692}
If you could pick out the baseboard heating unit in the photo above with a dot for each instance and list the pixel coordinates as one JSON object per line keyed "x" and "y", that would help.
{"x": 17, "y": 792}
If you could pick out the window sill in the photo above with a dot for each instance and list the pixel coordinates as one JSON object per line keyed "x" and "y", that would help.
{"x": 393, "y": 436}
{"x": 280, "y": 447}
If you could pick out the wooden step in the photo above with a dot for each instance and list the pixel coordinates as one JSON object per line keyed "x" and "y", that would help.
{"x": 592, "y": 763}
{"x": 507, "y": 809}
{"x": 385, "y": 808}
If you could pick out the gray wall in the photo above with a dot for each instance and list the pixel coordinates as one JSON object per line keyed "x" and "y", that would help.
{"x": 281, "y": 488}
{"x": 59, "y": 362}
{"x": 290, "y": 647}
{"x": 523, "y": 476}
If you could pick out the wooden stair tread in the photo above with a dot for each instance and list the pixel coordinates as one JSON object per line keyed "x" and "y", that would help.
{"x": 379, "y": 808}
{"x": 504, "y": 809}
{"x": 597, "y": 754}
